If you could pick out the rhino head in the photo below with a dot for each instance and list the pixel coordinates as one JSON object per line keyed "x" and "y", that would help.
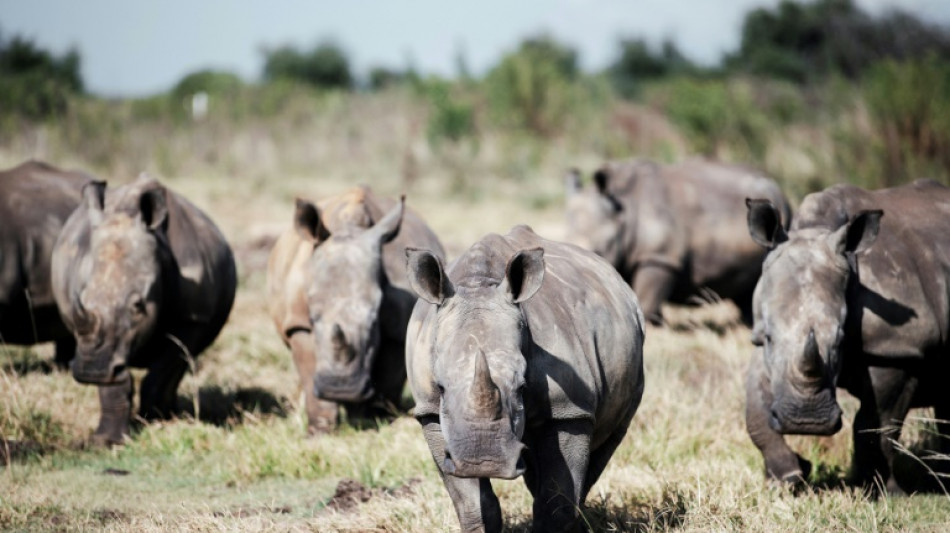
{"x": 800, "y": 308}
{"x": 117, "y": 308}
{"x": 346, "y": 285}
{"x": 478, "y": 361}
{"x": 595, "y": 218}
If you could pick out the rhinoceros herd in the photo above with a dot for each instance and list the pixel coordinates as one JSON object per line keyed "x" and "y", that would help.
{"x": 523, "y": 355}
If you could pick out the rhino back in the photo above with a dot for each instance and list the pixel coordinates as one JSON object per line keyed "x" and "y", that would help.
{"x": 903, "y": 302}
{"x": 709, "y": 198}
{"x": 35, "y": 201}
{"x": 586, "y": 327}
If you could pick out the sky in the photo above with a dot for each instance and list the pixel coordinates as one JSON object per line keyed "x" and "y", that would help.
{"x": 136, "y": 48}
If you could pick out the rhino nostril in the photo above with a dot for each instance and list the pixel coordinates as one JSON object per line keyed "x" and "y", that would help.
{"x": 117, "y": 370}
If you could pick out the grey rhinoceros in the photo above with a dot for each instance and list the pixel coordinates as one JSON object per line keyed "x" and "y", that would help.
{"x": 676, "y": 232}
{"x": 525, "y": 357}
{"x": 339, "y": 297}
{"x": 854, "y": 300}
{"x": 35, "y": 201}
{"x": 143, "y": 279}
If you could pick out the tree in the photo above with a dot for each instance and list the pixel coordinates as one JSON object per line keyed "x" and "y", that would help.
{"x": 638, "y": 62}
{"x": 35, "y": 83}
{"x": 325, "y": 66}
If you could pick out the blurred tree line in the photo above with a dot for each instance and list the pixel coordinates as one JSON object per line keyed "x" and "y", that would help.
{"x": 798, "y": 63}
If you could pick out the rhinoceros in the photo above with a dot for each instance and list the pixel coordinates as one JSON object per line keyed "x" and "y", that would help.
{"x": 676, "y": 232}
{"x": 35, "y": 201}
{"x": 339, "y": 297}
{"x": 525, "y": 357}
{"x": 850, "y": 299}
{"x": 143, "y": 279}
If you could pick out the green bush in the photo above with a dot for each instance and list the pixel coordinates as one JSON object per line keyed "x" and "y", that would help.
{"x": 33, "y": 82}
{"x": 637, "y": 62}
{"x": 531, "y": 88}
{"x": 325, "y": 66}
{"x": 910, "y": 103}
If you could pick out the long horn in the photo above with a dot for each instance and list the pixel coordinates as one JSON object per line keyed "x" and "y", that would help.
{"x": 485, "y": 395}
{"x": 811, "y": 364}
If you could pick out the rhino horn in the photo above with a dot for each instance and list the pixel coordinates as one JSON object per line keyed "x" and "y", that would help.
{"x": 811, "y": 363}
{"x": 340, "y": 350}
{"x": 485, "y": 396}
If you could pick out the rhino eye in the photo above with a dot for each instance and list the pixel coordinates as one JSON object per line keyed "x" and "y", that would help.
{"x": 441, "y": 389}
{"x": 138, "y": 306}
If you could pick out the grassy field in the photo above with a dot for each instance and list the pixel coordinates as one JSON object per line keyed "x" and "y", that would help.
{"x": 237, "y": 457}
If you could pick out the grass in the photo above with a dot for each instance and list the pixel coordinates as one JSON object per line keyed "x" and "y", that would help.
{"x": 237, "y": 458}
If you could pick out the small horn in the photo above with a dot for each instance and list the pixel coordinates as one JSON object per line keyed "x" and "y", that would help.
{"x": 341, "y": 351}
{"x": 811, "y": 364}
{"x": 485, "y": 396}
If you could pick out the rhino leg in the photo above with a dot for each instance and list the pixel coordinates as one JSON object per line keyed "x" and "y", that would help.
{"x": 558, "y": 459}
{"x": 115, "y": 404}
{"x": 781, "y": 463}
{"x": 653, "y": 285}
{"x": 158, "y": 397}
{"x": 600, "y": 456}
{"x": 885, "y": 400}
{"x": 475, "y": 502}
{"x": 389, "y": 374}
{"x": 321, "y": 415}
{"x": 65, "y": 351}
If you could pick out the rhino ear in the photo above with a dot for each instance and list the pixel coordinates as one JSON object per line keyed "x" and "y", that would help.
{"x": 601, "y": 179}
{"x": 765, "y": 223}
{"x": 524, "y": 274}
{"x": 388, "y": 227}
{"x": 572, "y": 182}
{"x": 94, "y": 196}
{"x": 307, "y": 222}
{"x": 426, "y": 276}
{"x": 860, "y": 233}
{"x": 153, "y": 207}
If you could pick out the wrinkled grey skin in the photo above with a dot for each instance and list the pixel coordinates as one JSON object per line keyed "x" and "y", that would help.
{"x": 524, "y": 358}
{"x": 676, "y": 232}
{"x": 143, "y": 279}
{"x": 340, "y": 298}
{"x": 853, "y": 299}
{"x": 35, "y": 201}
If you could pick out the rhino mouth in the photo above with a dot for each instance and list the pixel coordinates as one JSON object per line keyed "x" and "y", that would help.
{"x": 806, "y": 426}
{"x": 488, "y": 468}
{"x": 343, "y": 388}
{"x": 93, "y": 376}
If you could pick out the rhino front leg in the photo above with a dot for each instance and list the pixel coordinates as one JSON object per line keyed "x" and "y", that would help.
{"x": 159, "y": 395}
{"x": 653, "y": 285}
{"x": 321, "y": 414}
{"x": 781, "y": 463}
{"x": 885, "y": 400}
{"x": 115, "y": 405}
{"x": 560, "y": 455}
{"x": 475, "y": 502}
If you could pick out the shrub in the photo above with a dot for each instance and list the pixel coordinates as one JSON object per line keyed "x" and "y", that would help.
{"x": 33, "y": 82}
{"x": 325, "y": 66}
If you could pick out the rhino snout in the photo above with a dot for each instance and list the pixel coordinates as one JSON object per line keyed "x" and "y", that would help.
{"x": 500, "y": 462}
{"x": 343, "y": 388}
{"x": 826, "y": 420}
{"x": 99, "y": 370}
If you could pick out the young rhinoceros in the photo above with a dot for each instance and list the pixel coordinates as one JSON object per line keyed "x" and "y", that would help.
{"x": 524, "y": 358}
{"x": 143, "y": 279}
{"x": 850, "y": 299}
{"x": 339, "y": 297}
{"x": 35, "y": 201}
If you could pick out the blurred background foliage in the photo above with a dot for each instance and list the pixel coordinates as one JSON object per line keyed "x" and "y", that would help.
{"x": 817, "y": 93}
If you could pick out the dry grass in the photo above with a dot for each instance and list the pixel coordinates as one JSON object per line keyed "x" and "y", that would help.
{"x": 244, "y": 463}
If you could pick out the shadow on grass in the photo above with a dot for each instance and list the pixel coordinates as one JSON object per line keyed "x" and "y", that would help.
{"x": 601, "y": 514}
{"x": 229, "y": 407}
{"x": 918, "y": 471}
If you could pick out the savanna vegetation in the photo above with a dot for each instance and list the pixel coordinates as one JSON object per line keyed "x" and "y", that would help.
{"x": 817, "y": 93}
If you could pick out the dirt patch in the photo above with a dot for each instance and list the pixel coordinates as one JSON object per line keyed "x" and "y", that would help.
{"x": 351, "y": 493}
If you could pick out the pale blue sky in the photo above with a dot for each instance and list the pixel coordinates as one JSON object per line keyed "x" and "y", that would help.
{"x": 141, "y": 47}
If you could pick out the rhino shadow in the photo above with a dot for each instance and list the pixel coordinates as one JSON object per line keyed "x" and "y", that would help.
{"x": 226, "y": 407}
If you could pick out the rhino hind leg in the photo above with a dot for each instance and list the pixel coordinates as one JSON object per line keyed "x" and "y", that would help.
{"x": 322, "y": 415}
{"x": 600, "y": 456}
{"x": 65, "y": 351}
{"x": 115, "y": 404}
{"x": 559, "y": 456}
{"x": 474, "y": 500}
{"x": 781, "y": 463}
